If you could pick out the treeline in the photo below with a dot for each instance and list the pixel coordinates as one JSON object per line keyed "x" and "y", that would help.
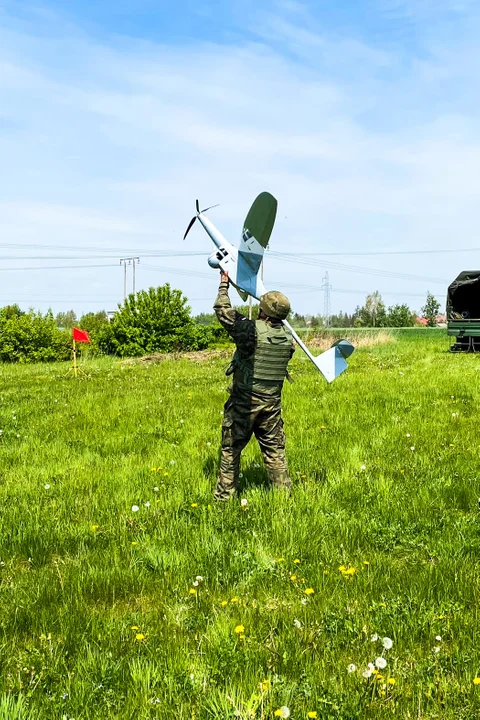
{"x": 159, "y": 320}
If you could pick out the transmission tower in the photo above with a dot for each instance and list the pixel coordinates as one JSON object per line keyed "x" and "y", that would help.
{"x": 326, "y": 287}
{"x": 128, "y": 261}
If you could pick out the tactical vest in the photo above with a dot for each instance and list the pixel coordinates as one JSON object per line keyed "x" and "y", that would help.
{"x": 271, "y": 356}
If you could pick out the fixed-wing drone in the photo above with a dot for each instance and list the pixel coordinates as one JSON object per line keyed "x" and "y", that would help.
{"x": 243, "y": 265}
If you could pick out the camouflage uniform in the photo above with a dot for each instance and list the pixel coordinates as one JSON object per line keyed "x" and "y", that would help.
{"x": 254, "y": 405}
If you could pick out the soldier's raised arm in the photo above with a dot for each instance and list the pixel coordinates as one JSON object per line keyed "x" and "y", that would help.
{"x": 240, "y": 328}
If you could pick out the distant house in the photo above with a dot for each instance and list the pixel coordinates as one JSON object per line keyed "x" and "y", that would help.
{"x": 440, "y": 319}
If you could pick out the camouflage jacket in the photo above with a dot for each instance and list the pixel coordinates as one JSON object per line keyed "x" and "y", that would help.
{"x": 243, "y": 333}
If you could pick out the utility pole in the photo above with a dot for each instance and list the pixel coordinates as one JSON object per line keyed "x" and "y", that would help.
{"x": 125, "y": 262}
{"x": 326, "y": 287}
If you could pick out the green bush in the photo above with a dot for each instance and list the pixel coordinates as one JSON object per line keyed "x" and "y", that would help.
{"x": 31, "y": 337}
{"x": 154, "y": 320}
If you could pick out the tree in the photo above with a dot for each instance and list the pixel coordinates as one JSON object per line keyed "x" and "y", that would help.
{"x": 430, "y": 310}
{"x": 372, "y": 314}
{"x": 400, "y": 316}
{"x": 94, "y": 323}
{"x": 154, "y": 320}
{"x": 66, "y": 320}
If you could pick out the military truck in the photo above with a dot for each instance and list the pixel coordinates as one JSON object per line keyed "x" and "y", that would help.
{"x": 463, "y": 311}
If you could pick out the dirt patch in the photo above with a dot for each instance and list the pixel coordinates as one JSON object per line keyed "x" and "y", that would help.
{"x": 367, "y": 340}
{"x": 199, "y": 356}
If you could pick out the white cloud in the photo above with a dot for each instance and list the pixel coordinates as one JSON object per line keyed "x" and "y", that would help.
{"x": 110, "y": 147}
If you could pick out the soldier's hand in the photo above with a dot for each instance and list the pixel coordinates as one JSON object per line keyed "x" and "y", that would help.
{"x": 223, "y": 276}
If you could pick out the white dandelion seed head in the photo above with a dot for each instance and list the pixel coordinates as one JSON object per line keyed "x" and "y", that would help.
{"x": 135, "y": 508}
{"x": 387, "y": 643}
{"x": 47, "y": 486}
{"x": 199, "y": 578}
{"x": 367, "y": 673}
{"x": 436, "y": 649}
{"x": 172, "y": 462}
{"x": 284, "y": 712}
{"x": 371, "y": 667}
{"x": 304, "y": 601}
{"x": 147, "y": 504}
{"x": 408, "y": 434}
{"x": 412, "y": 448}
{"x": 438, "y": 638}
{"x": 297, "y": 623}
{"x": 380, "y": 663}
{"x": 155, "y": 489}
{"x": 195, "y": 583}
{"x": 351, "y": 668}
{"x": 374, "y": 637}
{"x": 240, "y": 475}
{"x": 244, "y": 502}
{"x": 209, "y": 444}
{"x": 363, "y": 467}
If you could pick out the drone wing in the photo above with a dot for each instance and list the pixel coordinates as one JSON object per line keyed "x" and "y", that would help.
{"x": 256, "y": 232}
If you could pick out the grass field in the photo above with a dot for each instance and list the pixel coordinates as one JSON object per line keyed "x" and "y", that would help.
{"x": 186, "y": 609}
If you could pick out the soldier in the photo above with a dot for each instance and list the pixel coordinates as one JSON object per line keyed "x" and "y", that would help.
{"x": 258, "y": 370}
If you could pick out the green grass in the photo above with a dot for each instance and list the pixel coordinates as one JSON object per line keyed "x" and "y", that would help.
{"x": 81, "y": 572}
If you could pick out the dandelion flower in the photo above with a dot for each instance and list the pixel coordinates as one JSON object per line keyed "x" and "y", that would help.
{"x": 282, "y": 712}
{"x": 312, "y": 714}
{"x": 367, "y": 673}
{"x": 139, "y": 637}
{"x": 297, "y": 561}
{"x": 363, "y": 467}
{"x": 147, "y": 504}
{"x": 293, "y": 578}
{"x": 438, "y": 638}
{"x": 374, "y": 637}
{"x": 135, "y": 508}
{"x": 199, "y": 578}
{"x": 412, "y": 448}
{"x": 244, "y": 502}
{"x": 436, "y": 649}
{"x": 240, "y": 475}
{"x": 297, "y": 624}
{"x": 94, "y": 528}
{"x": 265, "y": 685}
{"x": 46, "y": 486}
{"x": 387, "y": 643}
{"x": 309, "y": 591}
{"x": 224, "y": 602}
{"x": 135, "y": 627}
{"x": 476, "y": 680}
{"x": 351, "y": 668}
{"x": 192, "y": 591}
{"x": 194, "y": 505}
{"x": 391, "y": 681}
{"x": 155, "y": 489}
{"x": 239, "y": 629}
{"x": 381, "y": 663}
{"x": 408, "y": 434}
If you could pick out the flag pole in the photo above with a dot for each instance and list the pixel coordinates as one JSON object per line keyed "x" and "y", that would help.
{"x": 74, "y": 358}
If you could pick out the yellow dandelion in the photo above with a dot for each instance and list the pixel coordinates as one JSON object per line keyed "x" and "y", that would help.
{"x": 293, "y": 578}
{"x": 382, "y": 604}
{"x": 297, "y": 561}
{"x": 365, "y": 562}
{"x": 94, "y": 528}
{"x": 224, "y": 602}
{"x": 280, "y": 559}
{"x": 312, "y": 714}
{"x": 139, "y": 637}
{"x": 239, "y": 629}
{"x": 194, "y": 505}
{"x": 391, "y": 681}
{"x": 234, "y": 600}
{"x": 134, "y": 542}
{"x": 193, "y": 591}
{"x": 476, "y": 680}
{"x": 342, "y": 568}
{"x": 135, "y": 627}
{"x": 325, "y": 572}
{"x": 309, "y": 591}
{"x": 265, "y": 685}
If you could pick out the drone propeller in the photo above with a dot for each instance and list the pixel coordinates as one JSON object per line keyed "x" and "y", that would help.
{"x": 192, "y": 221}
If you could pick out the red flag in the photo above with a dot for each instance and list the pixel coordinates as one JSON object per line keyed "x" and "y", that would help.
{"x": 80, "y": 335}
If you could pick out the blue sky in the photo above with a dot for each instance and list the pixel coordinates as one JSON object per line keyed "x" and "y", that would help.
{"x": 362, "y": 118}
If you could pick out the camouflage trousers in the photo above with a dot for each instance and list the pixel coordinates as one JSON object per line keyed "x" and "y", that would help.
{"x": 246, "y": 415}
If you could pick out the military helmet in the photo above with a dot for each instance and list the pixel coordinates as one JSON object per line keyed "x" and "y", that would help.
{"x": 275, "y": 304}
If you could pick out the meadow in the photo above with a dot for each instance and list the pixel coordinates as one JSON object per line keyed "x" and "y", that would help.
{"x": 127, "y": 592}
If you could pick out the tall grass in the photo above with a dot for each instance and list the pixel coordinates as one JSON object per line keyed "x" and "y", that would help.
{"x": 188, "y": 609}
